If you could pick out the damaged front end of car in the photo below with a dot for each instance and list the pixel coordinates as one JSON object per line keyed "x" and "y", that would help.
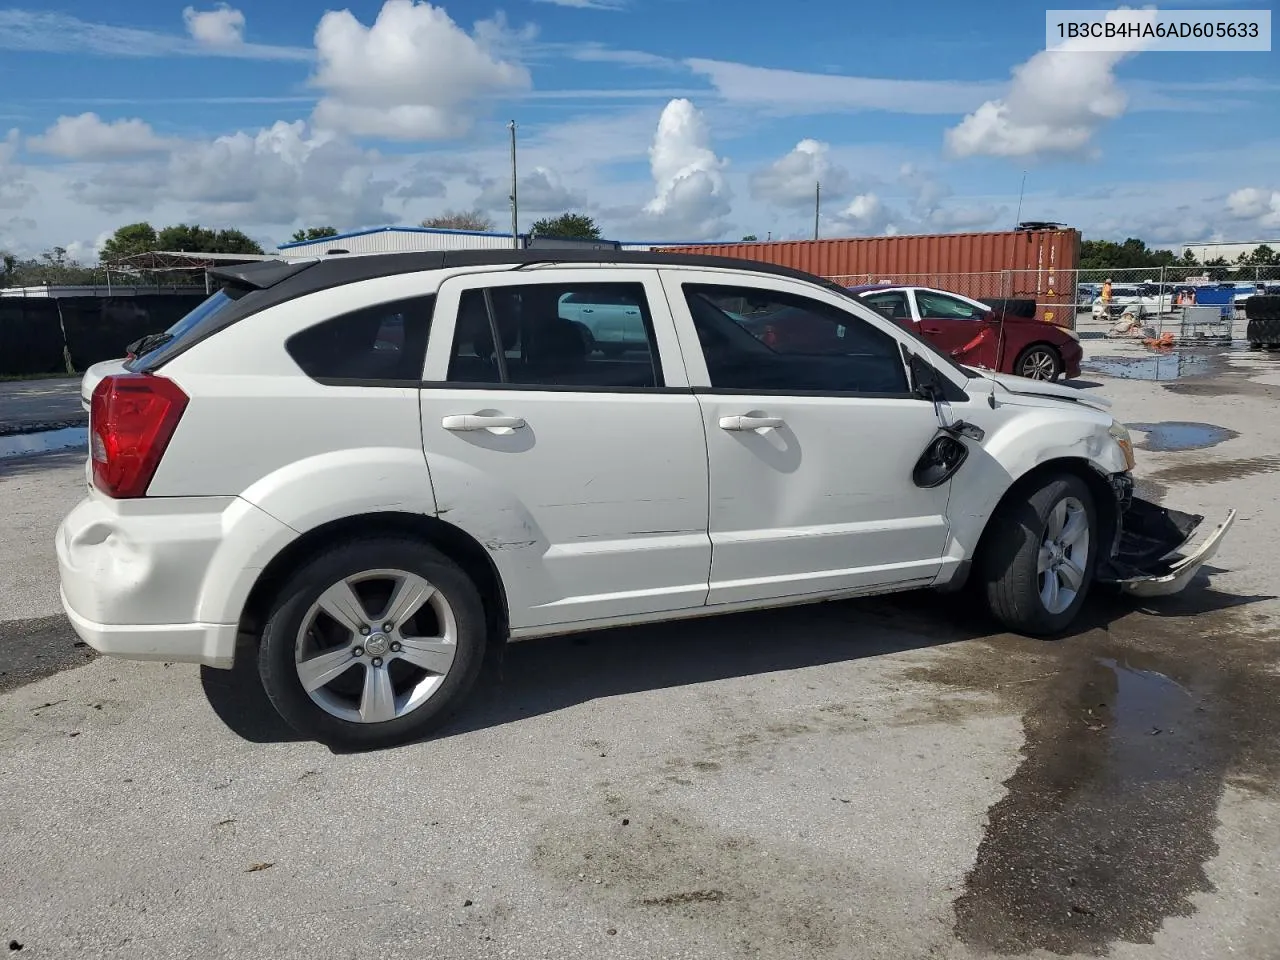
{"x": 1151, "y": 556}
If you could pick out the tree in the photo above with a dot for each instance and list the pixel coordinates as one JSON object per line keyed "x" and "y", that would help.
{"x": 198, "y": 239}
{"x": 460, "y": 220}
{"x": 53, "y": 267}
{"x": 571, "y": 226}
{"x": 1262, "y": 256}
{"x": 313, "y": 233}
{"x": 750, "y": 238}
{"x": 132, "y": 238}
{"x": 1216, "y": 268}
{"x": 1132, "y": 254}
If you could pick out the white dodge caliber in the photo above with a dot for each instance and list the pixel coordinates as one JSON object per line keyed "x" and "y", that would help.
{"x": 365, "y": 471}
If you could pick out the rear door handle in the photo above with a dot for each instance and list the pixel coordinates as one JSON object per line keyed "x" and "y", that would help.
{"x": 471, "y": 421}
{"x": 749, "y": 423}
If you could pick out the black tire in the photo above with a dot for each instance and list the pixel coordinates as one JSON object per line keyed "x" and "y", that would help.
{"x": 1263, "y": 331}
{"x": 588, "y": 339}
{"x": 1263, "y": 307}
{"x": 1008, "y": 565}
{"x": 1042, "y": 357}
{"x": 277, "y": 657}
{"x": 1011, "y": 307}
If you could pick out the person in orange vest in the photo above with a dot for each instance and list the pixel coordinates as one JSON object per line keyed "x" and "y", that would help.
{"x": 1106, "y": 292}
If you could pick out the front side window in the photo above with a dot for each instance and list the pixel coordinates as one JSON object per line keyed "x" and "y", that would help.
{"x": 385, "y": 343}
{"x": 763, "y": 340}
{"x": 592, "y": 336}
{"x": 892, "y": 303}
{"x": 939, "y": 306}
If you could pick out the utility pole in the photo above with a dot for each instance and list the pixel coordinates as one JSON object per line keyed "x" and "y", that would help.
{"x": 515, "y": 230}
{"x": 817, "y": 207}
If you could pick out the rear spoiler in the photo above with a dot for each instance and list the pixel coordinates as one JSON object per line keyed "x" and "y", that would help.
{"x": 260, "y": 274}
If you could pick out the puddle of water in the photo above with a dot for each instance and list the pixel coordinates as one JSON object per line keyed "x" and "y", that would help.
{"x": 1105, "y": 828}
{"x": 1166, "y": 366}
{"x": 1178, "y": 435}
{"x": 43, "y": 441}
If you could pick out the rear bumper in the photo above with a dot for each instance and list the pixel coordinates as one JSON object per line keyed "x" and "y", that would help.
{"x": 210, "y": 644}
{"x": 163, "y": 578}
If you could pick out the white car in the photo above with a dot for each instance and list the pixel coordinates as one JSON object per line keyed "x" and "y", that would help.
{"x": 271, "y": 481}
{"x": 609, "y": 321}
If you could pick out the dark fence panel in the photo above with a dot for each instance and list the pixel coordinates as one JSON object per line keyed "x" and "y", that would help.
{"x": 30, "y": 337}
{"x": 99, "y": 328}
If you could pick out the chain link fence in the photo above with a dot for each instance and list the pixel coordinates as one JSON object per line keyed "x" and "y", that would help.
{"x": 1072, "y": 298}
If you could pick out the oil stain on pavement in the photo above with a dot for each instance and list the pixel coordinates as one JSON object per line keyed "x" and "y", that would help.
{"x": 33, "y": 649}
{"x": 1131, "y": 735}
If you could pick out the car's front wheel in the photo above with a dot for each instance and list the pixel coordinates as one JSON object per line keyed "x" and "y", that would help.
{"x": 1039, "y": 561}
{"x": 373, "y": 643}
{"x": 1039, "y": 362}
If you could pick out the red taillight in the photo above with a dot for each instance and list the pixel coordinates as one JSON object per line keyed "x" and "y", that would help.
{"x": 131, "y": 419}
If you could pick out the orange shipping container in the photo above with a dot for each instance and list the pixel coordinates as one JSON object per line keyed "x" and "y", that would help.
{"x": 1035, "y": 265}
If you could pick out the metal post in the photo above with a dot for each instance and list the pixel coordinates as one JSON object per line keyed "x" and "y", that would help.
{"x": 515, "y": 230}
{"x": 817, "y": 207}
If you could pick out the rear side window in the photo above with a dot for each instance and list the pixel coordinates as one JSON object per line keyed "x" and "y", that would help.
{"x": 585, "y": 336}
{"x": 381, "y": 345}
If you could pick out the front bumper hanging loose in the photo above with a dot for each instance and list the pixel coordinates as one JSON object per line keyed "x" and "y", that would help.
{"x": 1151, "y": 558}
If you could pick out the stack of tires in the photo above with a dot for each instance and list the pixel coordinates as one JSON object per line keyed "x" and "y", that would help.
{"x": 1263, "y": 313}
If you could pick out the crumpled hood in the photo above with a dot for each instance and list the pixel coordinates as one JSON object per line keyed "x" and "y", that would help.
{"x": 1039, "y": 388}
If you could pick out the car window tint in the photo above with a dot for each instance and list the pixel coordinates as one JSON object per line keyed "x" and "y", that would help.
{"x": 939, "y": 306}
{"x": 588, "y": 335}
{"x": 892, "y": 304}
{"x": 782, "y": 342}
{"x": 386, "y": 342}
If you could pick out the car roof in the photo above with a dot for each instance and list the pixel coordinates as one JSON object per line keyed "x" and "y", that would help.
{"x": 301, "y": 277}
{"x": 864, "y": 287}
{"x": 273, "y": 282}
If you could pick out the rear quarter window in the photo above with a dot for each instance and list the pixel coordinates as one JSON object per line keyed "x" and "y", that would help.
{"x": 380, "y": 345}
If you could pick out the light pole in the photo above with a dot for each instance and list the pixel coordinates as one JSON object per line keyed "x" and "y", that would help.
{"x": 515, "y": 231}
{"x": 817, "y": 207}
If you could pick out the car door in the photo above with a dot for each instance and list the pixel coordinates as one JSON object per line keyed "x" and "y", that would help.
{"x": 810, "y": 449}
{"x": 965, "y": 331}
{"x": 584, "y": 476}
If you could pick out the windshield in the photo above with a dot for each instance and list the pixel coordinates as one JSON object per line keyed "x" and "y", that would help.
{"x": 190, "y": 325}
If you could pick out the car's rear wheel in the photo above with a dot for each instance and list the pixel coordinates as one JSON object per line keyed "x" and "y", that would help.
{"x": 1039, "y": 561}
{"x": 373, "y": 643}
{"x": 1038, "y": 362}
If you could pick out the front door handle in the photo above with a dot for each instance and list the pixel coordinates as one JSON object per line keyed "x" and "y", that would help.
{"x": 932, "y": 329}
{"x": 749, "y": 423}
{"x": 472, "y": 421}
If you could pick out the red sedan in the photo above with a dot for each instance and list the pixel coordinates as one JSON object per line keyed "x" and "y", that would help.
{"x": 976, "y": 335}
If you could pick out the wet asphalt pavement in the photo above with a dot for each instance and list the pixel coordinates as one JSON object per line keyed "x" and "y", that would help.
{"x": 40, "y": 404}
{"x": 886, "y": 778}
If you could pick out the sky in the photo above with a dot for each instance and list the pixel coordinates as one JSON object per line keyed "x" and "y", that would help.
{"x": 665, "y": 120}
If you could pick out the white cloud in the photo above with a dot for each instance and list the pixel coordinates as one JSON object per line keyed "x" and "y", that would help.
{"x": 282, "y": 174}
{"x": 794, "y": 91}
{"x": 413, "y": 74}
{"x": 539, "y": 191}
{"x": 222, "y": 26}
{"x": 44, "y": 32}
{"x": 89, "y": 137}
{"x": 1256, "y": 204}
{"x": 790, "y": 180}
{"x": 866, "y": 213}
{"x": 588, "y": 4}
{"x": 1056, "y": 103}
{"x": 691, "y": 198}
